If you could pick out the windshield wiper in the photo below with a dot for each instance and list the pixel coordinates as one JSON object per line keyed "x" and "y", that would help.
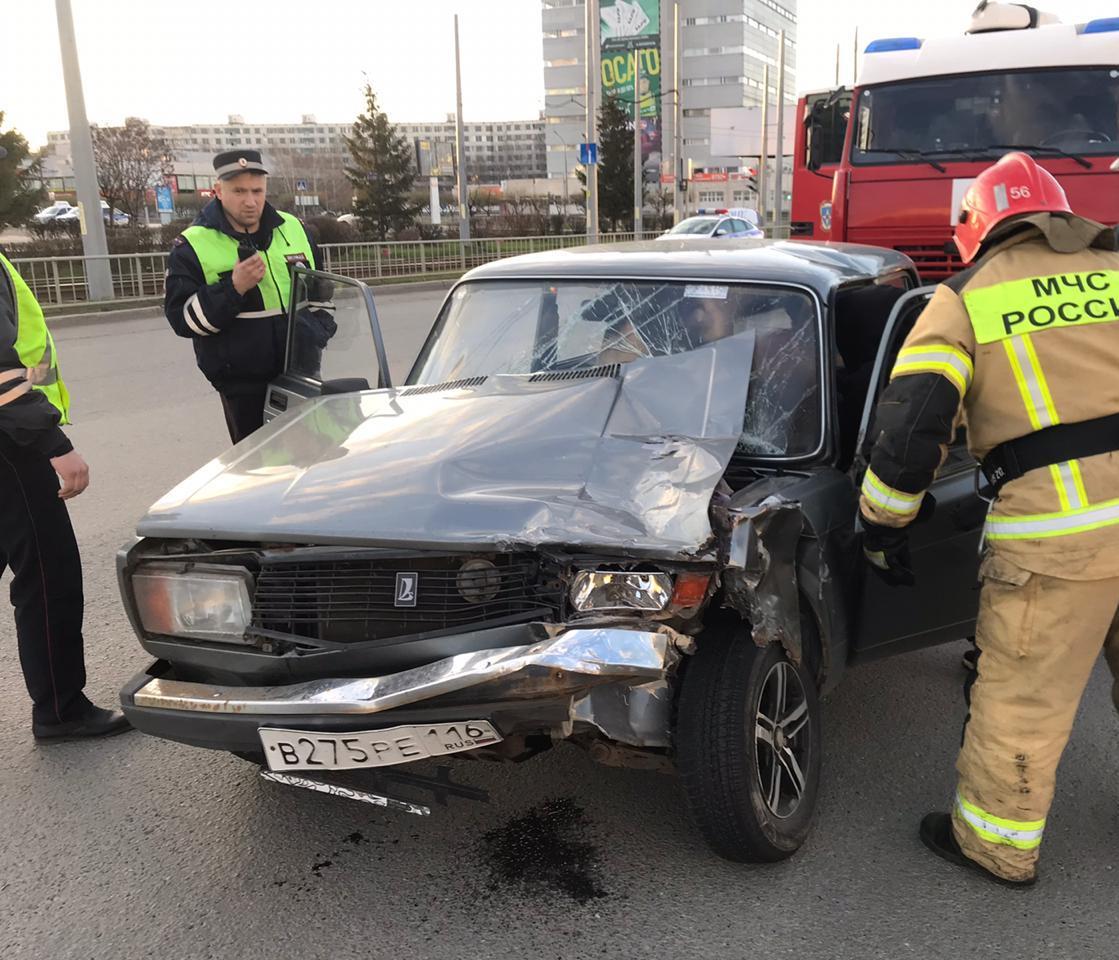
{"x": 909, "y": 154}
{"x": 1040, "y": 148}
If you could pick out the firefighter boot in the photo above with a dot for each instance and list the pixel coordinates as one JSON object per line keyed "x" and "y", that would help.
{"x": 936, "y": 834}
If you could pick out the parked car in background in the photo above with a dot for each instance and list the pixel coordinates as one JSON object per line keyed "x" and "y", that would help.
{"x": 718, "y": 224}
{"x": 120, "y": 218}
{"x": 613, "y": 504}
{"x": 54, "y": 211}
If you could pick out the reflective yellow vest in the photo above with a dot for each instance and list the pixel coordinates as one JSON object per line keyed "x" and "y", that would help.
{"x": 35, "y": 346}
{"x": 217, "y": 253}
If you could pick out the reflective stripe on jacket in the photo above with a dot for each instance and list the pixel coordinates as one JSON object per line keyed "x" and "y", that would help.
{"x": 1024, "y": 340}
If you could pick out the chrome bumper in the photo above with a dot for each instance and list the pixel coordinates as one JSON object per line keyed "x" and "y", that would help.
{"x": 572, "y": 662}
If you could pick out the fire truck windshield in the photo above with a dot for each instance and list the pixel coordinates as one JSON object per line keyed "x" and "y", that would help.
{"x": 1070, "y": 111}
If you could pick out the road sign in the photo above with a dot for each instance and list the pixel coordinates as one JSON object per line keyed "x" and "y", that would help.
{"x": 588, "y": 153}
{"x": 164, "y": 203}
{"x": 300, "y": 185}
{"x": 307, "y": 201}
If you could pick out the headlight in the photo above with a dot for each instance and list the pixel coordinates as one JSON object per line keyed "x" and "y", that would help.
{"x": 621, "y": 590}
{"x": 206, "y": 602}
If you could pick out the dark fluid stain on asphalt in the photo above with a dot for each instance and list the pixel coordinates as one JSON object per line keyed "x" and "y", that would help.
{"x": 545, "y": 850}
{"x": 318, "y": 868}
{"x": 355, "y": 838}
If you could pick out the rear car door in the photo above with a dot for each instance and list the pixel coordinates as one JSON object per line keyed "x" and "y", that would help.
{"x": 334, "y": 342}
{"x": 945, "y": 549}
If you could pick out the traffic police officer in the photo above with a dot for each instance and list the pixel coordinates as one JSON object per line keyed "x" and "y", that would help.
{"x": 228, "y": 285}
{"x": 1022, "y": 347}
{"x": 36, "y": 539}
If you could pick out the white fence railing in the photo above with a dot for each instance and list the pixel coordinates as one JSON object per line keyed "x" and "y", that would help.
{"x": 57, "y": 281}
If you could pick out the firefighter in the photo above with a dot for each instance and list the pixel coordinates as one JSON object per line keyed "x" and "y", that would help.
{"x": 1023, "y": 348}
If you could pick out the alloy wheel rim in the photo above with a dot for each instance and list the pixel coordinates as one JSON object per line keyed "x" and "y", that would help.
{"x": 782, "y": 740}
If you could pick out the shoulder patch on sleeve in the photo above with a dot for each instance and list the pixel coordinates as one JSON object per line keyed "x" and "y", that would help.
{"x": 178, "y": 241}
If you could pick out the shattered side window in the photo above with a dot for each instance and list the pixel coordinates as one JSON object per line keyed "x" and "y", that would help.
{"x": 783, "y": 403}
{"x": 525, "y": 327}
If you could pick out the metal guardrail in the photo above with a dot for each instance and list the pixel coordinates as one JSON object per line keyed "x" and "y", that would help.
{"x": 57, "y": 281}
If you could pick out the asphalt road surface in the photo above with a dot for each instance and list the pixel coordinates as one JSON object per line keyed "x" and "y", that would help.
{"x": 140, "y": 848}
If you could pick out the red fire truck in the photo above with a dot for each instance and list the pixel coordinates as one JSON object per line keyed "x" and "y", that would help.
{"x": 888, "y": 163}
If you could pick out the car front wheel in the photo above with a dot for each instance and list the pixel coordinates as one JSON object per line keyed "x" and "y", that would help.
{"x": 748, "y": 747}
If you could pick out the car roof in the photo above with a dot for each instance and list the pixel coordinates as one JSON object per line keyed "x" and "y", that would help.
{"x": 822, "y": 266}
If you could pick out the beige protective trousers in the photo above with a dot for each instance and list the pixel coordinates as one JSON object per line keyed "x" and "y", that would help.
{"x": 1039, "y": 638}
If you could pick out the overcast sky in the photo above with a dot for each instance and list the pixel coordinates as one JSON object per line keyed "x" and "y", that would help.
{"x": 196, "y": 61}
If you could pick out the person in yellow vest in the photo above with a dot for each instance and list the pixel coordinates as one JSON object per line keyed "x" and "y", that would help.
{"x": 228, "y": 284}
{"x": 1022, "y": 348}
{"x": 39, "y": 471}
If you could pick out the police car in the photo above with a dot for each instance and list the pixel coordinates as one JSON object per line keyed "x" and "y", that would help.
{"x": 738, "y": 223}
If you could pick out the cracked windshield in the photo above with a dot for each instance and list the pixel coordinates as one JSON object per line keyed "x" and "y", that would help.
{"x": 537, "y": 327}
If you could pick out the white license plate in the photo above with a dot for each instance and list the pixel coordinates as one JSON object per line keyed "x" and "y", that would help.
{"x": 312, "y": 750}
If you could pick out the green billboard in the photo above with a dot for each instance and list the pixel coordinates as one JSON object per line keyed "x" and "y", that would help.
{"x": 631, "y": 49}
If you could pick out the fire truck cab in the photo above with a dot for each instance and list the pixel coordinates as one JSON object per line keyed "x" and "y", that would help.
{"x": 888, "y": 163}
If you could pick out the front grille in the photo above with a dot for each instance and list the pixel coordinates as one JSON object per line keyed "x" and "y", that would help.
{"x": 353, "y": 600}
{"x": 933, "y": 262}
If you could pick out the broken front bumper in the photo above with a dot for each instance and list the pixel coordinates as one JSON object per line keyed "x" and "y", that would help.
{"x": 613, "y": 680}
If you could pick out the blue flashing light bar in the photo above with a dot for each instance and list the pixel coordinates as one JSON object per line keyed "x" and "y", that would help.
{"x": 893, "y": 44}
{"x": 1106, "y": 25}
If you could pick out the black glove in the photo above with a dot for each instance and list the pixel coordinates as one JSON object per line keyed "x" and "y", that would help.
{"x": 886, "y": 549}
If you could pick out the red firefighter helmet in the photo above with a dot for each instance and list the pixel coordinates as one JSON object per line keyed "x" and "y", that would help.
{"x": 1011, "y": 187}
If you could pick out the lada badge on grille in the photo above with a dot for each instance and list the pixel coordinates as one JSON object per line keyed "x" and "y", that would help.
{"x": 407, "y": 587}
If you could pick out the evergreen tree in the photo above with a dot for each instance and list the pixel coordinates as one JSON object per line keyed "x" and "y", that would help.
{"x": 20, "y": 194}
{"x": 382, "y": 171}
{"x": 615, "y": 165}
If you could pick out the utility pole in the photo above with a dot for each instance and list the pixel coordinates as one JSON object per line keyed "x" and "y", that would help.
{"x": 763, "y": 169}
{"x": 855, "y": 60}
{"x": 677, "y": 115}
{"x": 638, "y": 178}
{"x": 779, "y": 169}
{"x": 591, "y": 57}
{"x": 463, "y": 205}
{"x": 99, "y": 276}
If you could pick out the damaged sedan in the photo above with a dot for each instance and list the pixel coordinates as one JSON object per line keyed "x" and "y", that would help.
{"x": 612, "y": 504}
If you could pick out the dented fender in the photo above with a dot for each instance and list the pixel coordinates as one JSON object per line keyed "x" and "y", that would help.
{"x": 760, "y": 577}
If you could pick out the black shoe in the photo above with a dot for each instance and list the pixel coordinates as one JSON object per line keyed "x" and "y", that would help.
{"x": 970, "y": 659}
{"x": 97, "y": 722}
{"x": 937, "y": 835}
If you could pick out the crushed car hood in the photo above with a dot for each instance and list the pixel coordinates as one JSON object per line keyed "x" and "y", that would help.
{"x": 625, "y": 458}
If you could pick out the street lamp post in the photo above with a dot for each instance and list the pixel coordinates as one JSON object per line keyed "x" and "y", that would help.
{"x": 566, "y": 192}
{"x": 463, "y": 205}
{"x": 99, "y": 276}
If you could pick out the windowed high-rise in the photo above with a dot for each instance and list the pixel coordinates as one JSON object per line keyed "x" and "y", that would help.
{"x": 725, "y": 46}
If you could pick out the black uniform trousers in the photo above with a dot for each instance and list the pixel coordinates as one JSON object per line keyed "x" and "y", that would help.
{"x": 244, "y": 410}
{"x": 37, "y": 542}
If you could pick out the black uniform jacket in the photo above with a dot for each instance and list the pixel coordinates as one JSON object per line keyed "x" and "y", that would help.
{"x": 244, "y": 353}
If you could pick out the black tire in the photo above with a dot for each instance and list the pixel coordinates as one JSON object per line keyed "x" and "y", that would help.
{"x": 728, "y": 769}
